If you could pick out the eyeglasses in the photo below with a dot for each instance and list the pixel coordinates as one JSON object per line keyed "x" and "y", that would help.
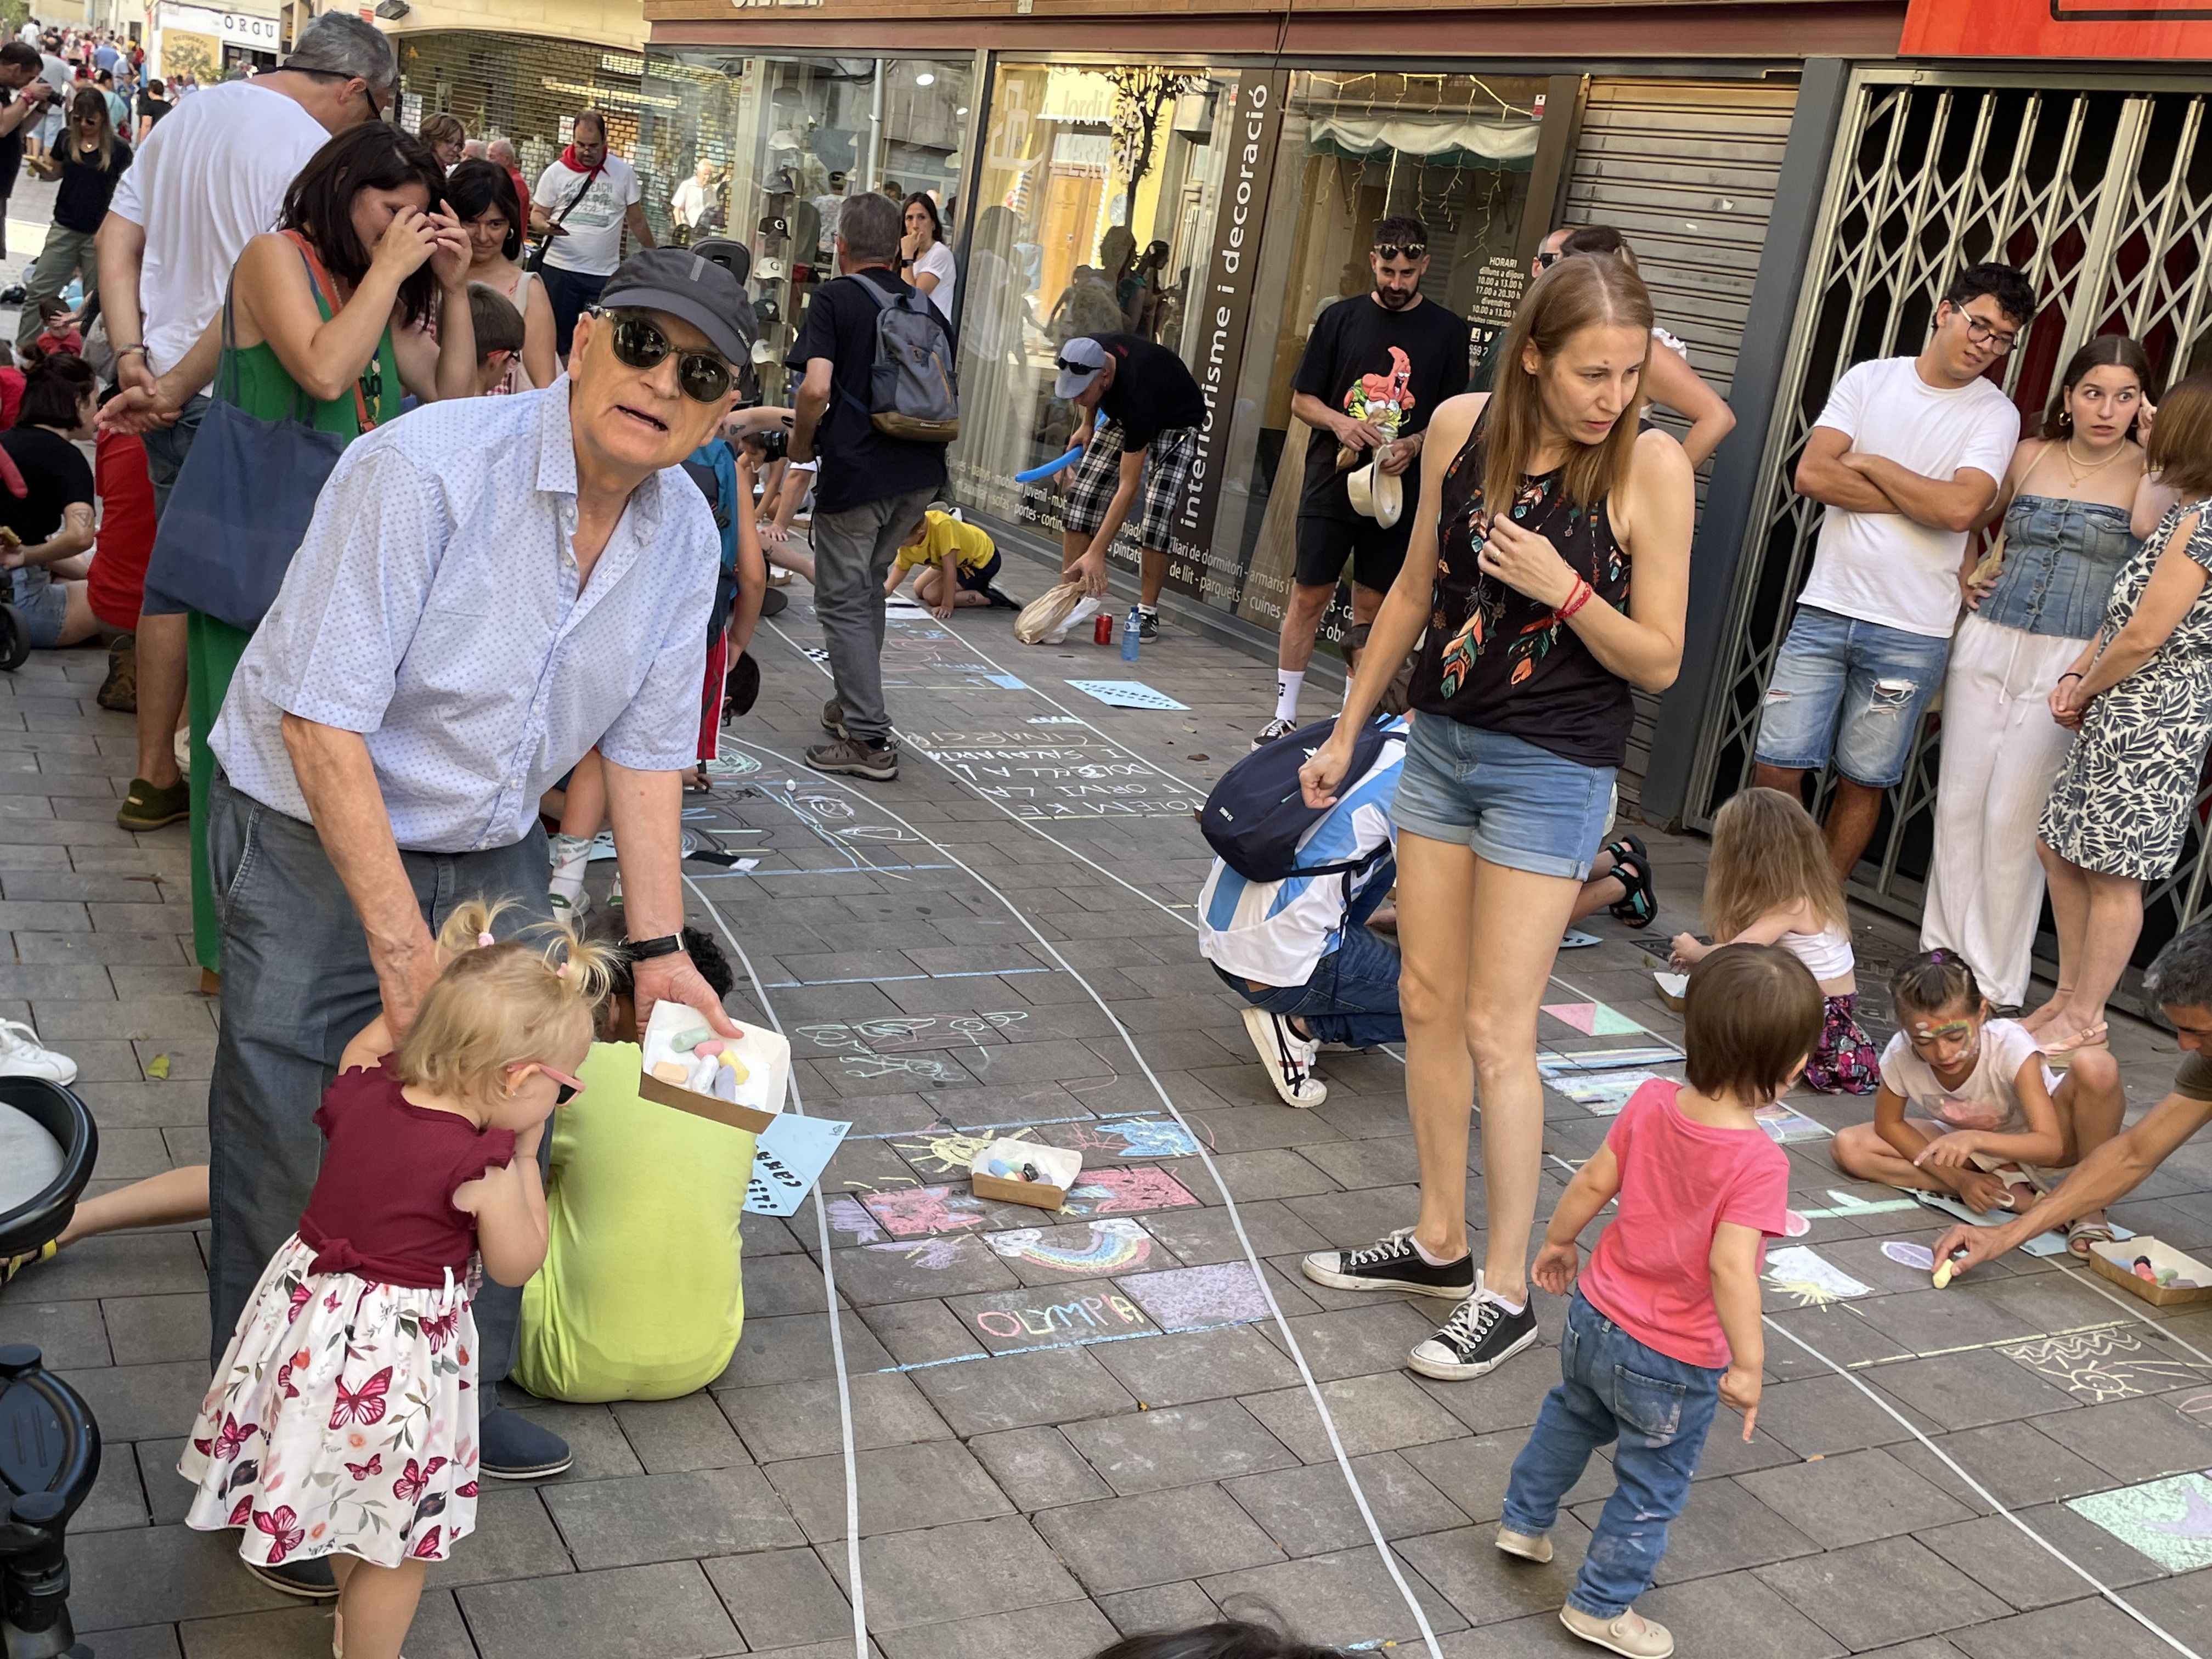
{"x": 1401, "y": 250}
{"x": 1988, "y": 334}
{"x": 569, "y": 1087}
{"x": 640, "y": 342}
{"x": 1547, "y": 261}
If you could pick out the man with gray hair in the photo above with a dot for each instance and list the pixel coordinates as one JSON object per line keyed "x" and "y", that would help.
{"x": 872, "y": 488}
{"x": 2178, "y": 980}
{"x": 207, "y": 180}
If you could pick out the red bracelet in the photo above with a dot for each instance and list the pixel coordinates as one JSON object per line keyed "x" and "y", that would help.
{"x": 1577, "y": 599}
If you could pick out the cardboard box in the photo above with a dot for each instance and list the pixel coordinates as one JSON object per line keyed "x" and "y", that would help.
{"x": 2116, "y": 1261}
{"x": 1059, "y": 1165}
{"x": 1673, "y": 989}
{"x": 764, "y": 1056}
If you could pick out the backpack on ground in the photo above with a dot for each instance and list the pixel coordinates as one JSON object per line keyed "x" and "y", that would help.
{"x": 913, "y": 390}
{"x": 1257, "y": 814}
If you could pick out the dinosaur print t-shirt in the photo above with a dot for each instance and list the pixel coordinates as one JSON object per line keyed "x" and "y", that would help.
{"x": 1388, "y": 367}
{"x": 1497, "y": 660}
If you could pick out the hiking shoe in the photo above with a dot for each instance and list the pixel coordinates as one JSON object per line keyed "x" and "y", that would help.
{"x": 1148, "y": 624}
{"x": 1288, "y": 1057}
{"x": 1481, "y": 1334}
{"x": 310, "y": 1580}
{"x": 1278, "y": 727}
{"x": 856, "y": 759}
{"x": 1392, "y": 1265}
{"x": 21, "y": 1055}
{"x": 833, "y": 719}
{"x": 120, "y": 690}
{"x": 146, "y": 807}
{"x": 512, "y": 1447}
{"x": 1529, "y": 1546}
{"x": 1629, "y": 1632}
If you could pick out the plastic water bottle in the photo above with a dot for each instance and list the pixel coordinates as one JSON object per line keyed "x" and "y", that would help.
{"x": 1129, "y": 636}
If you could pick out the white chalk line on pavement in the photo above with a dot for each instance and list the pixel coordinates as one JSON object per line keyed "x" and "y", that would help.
{"x": 1235, "y": 1217}
{"x": 830, "y": 1291}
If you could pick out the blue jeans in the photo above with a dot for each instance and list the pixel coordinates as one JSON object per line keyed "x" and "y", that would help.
{"x": 571, "y": 294}
{"x": 1353, "y": 997}
{"x": 1859, "y": 686}
{"x": 1659, "y": 1409}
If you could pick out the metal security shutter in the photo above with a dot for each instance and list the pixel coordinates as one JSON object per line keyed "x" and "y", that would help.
{"x": 1686, "y": 170}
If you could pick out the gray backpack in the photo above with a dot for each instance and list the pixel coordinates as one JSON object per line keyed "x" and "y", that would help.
{"x": 913, "y": 391}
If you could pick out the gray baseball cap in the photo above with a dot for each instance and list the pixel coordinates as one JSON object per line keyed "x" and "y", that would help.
{"x": 682, "y": 283}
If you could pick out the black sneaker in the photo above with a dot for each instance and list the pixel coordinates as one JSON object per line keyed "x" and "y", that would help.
{"x": 1481, "y": 1334}
{"x": 856, "y": 759}
{"x": 512, "y": 1447}
{"x": 1391, "y": 1265}
{"x": 1007, "y": 602}
{"x": 310, "y": 1580}
{"x": 1148, "y": 624}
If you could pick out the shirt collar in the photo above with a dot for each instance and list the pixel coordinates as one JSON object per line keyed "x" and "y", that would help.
{"x": 557, "y": 461}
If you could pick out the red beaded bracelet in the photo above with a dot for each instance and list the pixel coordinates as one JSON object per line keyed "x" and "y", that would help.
{"x": 1577, "y": 599}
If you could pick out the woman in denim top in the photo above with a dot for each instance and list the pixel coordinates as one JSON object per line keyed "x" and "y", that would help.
{"x": 2066, "y": 502}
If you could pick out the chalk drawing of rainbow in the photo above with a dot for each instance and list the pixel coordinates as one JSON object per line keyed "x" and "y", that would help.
{"x": 1115, "y": 1245}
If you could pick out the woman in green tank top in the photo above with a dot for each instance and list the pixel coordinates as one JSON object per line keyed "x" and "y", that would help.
{"x": 327, "y": 318}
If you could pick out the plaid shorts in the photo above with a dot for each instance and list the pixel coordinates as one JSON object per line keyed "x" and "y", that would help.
{"x": 1098, "y": 474}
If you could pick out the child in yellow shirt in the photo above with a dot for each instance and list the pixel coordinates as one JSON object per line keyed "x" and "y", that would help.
{"x": 953, "y": 563}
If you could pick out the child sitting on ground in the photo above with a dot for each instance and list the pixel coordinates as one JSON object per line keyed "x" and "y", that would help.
{"x": 1985, "y": 1109}
{"x": 1665, "y": 1324}
{"x": 1771, "y": 883}
{"x": 953, "y": 563}
{"x": 642, "y": 1296}
{"x": 342, "y": 1418}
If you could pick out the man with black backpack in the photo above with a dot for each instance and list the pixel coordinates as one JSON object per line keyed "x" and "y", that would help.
{"x": 876, "y": 481}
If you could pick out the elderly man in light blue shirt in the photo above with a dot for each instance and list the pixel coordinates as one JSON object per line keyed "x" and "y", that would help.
{"x": 489, "y": 589}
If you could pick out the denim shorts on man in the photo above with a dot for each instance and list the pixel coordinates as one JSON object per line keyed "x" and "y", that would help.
{"x": 1856, "y": 688}
{"x": 1512, "y": 803}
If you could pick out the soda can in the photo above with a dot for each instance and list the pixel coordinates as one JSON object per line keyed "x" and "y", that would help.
{"x": 1101, "y": 630}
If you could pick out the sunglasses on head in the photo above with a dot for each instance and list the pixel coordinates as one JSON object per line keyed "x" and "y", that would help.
{"x": 640, "y": 342}
{"x": 1401, "y": 250}
{"x": 1066, "y": 368}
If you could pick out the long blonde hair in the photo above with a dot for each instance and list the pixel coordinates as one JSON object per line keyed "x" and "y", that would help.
{"x": 1587, "y": 291}
{"x": 1768, "y": 855}
{"x": 90, "y": 104}
{"x": 499, "y": 1005}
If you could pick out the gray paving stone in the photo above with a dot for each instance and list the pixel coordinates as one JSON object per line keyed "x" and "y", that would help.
{"x": 117, "y": 1499}
{"x": 668, "y": 1436}
{"x": 1722, "y": 1528}
{"x": 1227, "y": 1362}
{"x": 2089, "y": 1626}
{"x": 801, "y": 1419}
{"x": 135, "y": 1403}
{"x": 1371, "y": 1413}
{"x": 1852, "y": 1498}
{"x": 69, "y": 1334}
{"x": 594, "y": 1437}
{"x": 1158, "y": 1607}
{"x": 1310, "y": 1511}
{"x": 796, "y": 1348}
{"x": 515, "y": 1538}
{"x": 1341, "y": 1598}
{"x": 921, "y": 1333}
{"x": 1370, "y": 1337}
{"x": 1964, "y": 1390}
{"x": 943, "y": 1573}
{"x": 630, "y": 1520}
{"x": 145, "y": 1642}
{"x": 2137, "y": 1439}
{"x": 1733, "y": 1613}
{"x": 1201, "y": 1237}
{"x": 150, "y": 1329}
{"x": 1178, "y": 1446}
{"x": 667, "y": 1610}
{"x": 1125, "y": 1543}
{"x": 1074, "y": 1629}
{"x": 157, "y": 1575}
{"x": 1472, "y": 1471}
{"x": 1015, "y": 1391}
{"x": 1888, "y": 1592}
{"x": 912, "y": 1271}
{"x": 2017, "y": 1463}
{"x": 781, "y": 1598}
{"x": 137, "y": 1264}
{"x": 1486, "y": 1585}
{"x": 1509, "y": 1398}
{"x": 930, "y": 1483}
{"x": 436, "y": 1633}
{"x": 1816, "y": 1415}
{"x": 1037, "y": 1468}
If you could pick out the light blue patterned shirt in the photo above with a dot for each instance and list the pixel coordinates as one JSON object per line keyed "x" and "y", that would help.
{"x": 434, "y": 607}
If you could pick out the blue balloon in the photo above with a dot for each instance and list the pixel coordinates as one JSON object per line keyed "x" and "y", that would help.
{"x": 1047, "y": 469}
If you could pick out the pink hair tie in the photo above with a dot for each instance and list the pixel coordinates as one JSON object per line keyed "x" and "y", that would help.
{"x": 484, "y": 940}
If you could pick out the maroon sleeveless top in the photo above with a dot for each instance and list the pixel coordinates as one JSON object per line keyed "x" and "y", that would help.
{"x": 382, "y": 1208}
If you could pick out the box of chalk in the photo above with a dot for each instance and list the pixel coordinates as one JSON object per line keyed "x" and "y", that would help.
{"x": 2158, "y": 1273}
{"x": 1025, "y": 1172}
{"x": 741, "y": 1081}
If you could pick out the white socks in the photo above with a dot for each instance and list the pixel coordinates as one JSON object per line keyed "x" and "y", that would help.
{"x": 572, "y": 856}
{"x": 1287, "y": 683}
{"x": 1422, "y": 1251}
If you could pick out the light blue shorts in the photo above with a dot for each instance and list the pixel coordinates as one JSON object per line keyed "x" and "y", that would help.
{"x": 1856, "y": 688}
{"x": 1512, "y": 803}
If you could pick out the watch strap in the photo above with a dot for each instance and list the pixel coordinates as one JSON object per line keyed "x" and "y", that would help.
{"x": 645, "y": 950}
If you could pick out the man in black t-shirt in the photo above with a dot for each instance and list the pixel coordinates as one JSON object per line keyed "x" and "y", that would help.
{"x": 1153, "y": 412}
{"x": 871, "y": 489}
{"x": 1375, "y": 369}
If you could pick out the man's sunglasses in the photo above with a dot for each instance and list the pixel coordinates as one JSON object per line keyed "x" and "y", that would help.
{"x": 1401, "y": 250}
{"x": 1546, "y": 260}
{"x": 640, "y": 342}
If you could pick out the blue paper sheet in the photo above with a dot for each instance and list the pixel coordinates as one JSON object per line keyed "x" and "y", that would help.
{"x": 788, "y": 1159}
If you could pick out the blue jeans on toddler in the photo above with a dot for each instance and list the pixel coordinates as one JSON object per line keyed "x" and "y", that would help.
{"x": 1659, "y": 1409}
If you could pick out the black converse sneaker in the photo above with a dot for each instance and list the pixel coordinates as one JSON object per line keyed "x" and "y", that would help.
{"x": 1392, "y": 1265}
{"x": 1481, "y": 1334}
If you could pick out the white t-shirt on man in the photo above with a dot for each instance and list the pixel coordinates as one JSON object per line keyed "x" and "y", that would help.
{"x": 593, "y": 246}
{"x": 1882, "y": 567}
{"x": 209, "y": 177}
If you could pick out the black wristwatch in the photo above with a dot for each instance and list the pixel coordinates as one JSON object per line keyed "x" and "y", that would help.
{"x": 645, "y": 950}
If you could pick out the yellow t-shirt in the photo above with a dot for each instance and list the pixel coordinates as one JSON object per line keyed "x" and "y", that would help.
{"x": 942, "y": 534}
{"x": 641, "y": 1297}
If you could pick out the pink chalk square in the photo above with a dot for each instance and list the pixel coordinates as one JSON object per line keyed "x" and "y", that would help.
{"x": 1193, "y": 1298}
{"x": 1125, "y": 1191}
{"x": 920, "y": 1212}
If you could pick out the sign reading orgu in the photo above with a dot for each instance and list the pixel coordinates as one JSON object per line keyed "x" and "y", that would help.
{"x": 2163, "y": 31}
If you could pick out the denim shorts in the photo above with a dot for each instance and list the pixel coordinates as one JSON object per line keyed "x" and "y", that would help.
{"x": 44, "y": 612}
{"x": 1512, "y": 803}
{"x": 1856, "y": 686}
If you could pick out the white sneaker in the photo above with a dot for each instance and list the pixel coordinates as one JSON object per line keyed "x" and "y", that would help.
{"x": 571, "y": 910}
{"x": 1288, "y": 1057}
{"x": 1278, "y": 727}
{"x": 21, "y": 1055}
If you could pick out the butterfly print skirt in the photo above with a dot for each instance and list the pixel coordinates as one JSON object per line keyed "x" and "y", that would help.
{"x": 342, "y": 1418}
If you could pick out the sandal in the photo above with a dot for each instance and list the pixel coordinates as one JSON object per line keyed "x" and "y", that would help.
{"x": 1641, "y": 905}
{"x": 2061, "y": 1054}
{"x": 2080, "y": 1235}
{"x": 14, "y": 1264}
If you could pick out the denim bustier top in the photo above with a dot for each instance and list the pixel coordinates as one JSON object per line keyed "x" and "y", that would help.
{"x": 2060, "y": 560}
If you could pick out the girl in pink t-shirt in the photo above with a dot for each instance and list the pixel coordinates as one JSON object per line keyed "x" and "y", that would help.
{"x": 1665, "y": 1326}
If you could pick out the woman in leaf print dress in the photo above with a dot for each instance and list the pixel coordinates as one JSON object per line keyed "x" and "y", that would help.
{"x": 2139, "y": 695}
{"x": 342, "y": 1420}
{"x": 1535, "y": 635}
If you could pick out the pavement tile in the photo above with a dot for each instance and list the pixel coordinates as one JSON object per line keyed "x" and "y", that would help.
{"x": 627, "y": 1522}
{"x": 1072, "y": 1629}
{"x": 515, "y": 1538}
{"x": 1125, "y": 1543}
{"x": 1472, "y": 1471}
{"x": 2136, "y": 1440}
{"x": 937, "y": 1574}
{"x": 2088, "y": 1626}
{"x": 1888, "y": 1592}
{"x": 1852, "y": 1498}
{"x": 668, "y": 1436}
{"x": 1037, "y": 1468}
{"x": 1485, "y": 1584}
{"x": 667, "y": 1610}
{"x": 1371, "y": 1413}
{"x": 921, "y": 1333}
{"x": 801, "y": 1419}
{"x": 1197, "y": 1237}
{"x": 1816, "y": 1415}
{"x": 1225, "y": 1362}
{"x": 436, "y": 1633}
{"x": 1177, "y": 1446}
{"x": 68, "y": 1334}
{"x": 151, "y": 1329}
{"x": 1722, "y": 1528}
{"x": 1964, "y": 1390}
{"x": 1310, "y": 1509}
{"x": 137, "y": 1402}
{"x": 2019, "y": 1464}
{"x": 1371, "y": 1337}
{"x": 1735, "y": 1614}
{"x": 145, "y": 1642}
{"x": 1158, "y": 1607}
{"x": 155, "y": 1575}
{"x": 601, "y": 1450}
{"x": 117, "y": 1499}
{"x": 1015, "y": 1391}
{"x": 781, "y": 1598}
{"x": 1341, "y": 1598}
{"x": 796, "y": 1348}
{"x": 930, "y": 1483}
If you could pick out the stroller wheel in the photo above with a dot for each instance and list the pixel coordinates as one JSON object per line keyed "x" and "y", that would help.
{"x": 14, "y": 638}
